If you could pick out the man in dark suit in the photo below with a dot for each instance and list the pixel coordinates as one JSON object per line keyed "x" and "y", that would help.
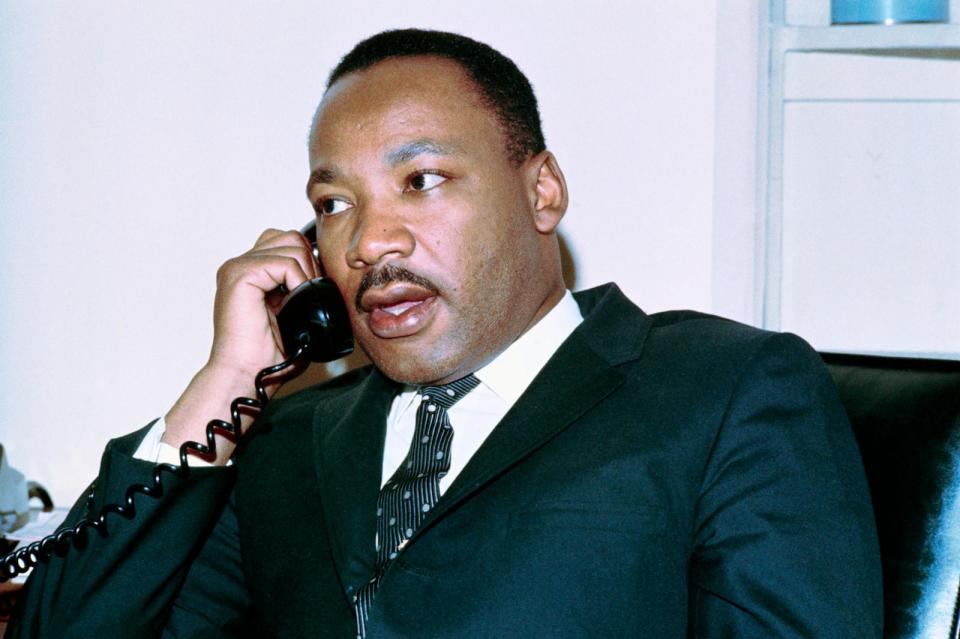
{"x": 610, "y": 472}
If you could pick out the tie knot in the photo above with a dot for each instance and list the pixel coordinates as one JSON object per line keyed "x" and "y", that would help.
{"x": 447, "y": 395}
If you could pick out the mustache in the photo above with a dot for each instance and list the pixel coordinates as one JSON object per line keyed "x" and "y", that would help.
{"x": 387, "y": 274}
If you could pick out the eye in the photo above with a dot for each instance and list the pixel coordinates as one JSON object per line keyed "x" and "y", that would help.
{"x": 426, "y": 180}
{"x": 332, "y": 206}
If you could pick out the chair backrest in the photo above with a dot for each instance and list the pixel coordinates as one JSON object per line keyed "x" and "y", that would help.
{"x": 906, "y": 417}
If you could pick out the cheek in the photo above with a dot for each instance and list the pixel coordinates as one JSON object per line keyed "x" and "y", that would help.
{"x": 465, "y": 256}
{"x": 332, "y": 246}
{"x": 333, "y": 266}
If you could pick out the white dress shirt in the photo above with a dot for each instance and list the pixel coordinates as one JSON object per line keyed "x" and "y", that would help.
{"x": 473, "y": 418}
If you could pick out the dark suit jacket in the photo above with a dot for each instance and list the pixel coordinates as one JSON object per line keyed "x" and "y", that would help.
{"x": 664, "y": 476}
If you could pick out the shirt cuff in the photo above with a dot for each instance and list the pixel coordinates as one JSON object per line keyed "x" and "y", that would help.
{"x": 153, "y": 450}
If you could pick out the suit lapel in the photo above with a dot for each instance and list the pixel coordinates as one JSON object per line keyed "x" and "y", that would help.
{"x": 349, "y": 433}
{"x": 568, "y": 387}
{"x": 578, "y": 377}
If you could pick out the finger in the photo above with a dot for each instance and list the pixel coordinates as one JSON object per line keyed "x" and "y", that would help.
{"x": 302, "y": 254}
{"x": 274, "y": 237}
{"x": 264, "y": 272}
{"x": 267, "y": 235}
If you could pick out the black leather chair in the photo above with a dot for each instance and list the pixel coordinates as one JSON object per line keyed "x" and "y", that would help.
{"x": 906, "y": 416}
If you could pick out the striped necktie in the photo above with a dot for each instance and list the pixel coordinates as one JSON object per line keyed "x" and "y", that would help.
{"x": 414, "y": 488}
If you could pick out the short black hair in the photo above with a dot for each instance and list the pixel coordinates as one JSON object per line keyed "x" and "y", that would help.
{"x": 501, "y": 85}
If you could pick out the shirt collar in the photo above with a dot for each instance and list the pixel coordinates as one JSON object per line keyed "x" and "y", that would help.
{"x": 509, "y": 374}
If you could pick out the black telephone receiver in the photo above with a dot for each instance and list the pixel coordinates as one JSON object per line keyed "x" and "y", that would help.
{"x": 314, "y": 316}
{"x": 313, "y": 324}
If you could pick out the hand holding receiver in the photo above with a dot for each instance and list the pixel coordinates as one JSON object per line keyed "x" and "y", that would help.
{"x": 250, "y": 290}
{"x": 254, "y": 329}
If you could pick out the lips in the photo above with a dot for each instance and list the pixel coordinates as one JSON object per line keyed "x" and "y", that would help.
{"x": 398, "y": 310}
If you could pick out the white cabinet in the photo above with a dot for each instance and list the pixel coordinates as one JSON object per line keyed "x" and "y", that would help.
{"x": 861, "y": 224}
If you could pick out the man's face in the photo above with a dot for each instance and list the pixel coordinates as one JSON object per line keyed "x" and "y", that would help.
{"x": 424, "y": 223}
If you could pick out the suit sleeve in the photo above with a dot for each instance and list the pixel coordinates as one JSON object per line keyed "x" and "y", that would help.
{"x": 785, "y": 542}
{"x": 132, "y": 582}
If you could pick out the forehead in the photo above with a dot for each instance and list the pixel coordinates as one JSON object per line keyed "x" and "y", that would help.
{"x": 401, "y": 99}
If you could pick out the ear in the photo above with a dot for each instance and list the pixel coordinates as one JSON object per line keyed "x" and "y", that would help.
{"x": 548, "y": 191}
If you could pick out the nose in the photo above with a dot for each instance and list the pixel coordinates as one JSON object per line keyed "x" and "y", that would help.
{"x": 380, "y": 234}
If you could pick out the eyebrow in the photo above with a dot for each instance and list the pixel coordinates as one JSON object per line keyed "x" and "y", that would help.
{"x": 321, "y": 176}
{"x": 398, "y": 155}
{"x": 409, "y": 150}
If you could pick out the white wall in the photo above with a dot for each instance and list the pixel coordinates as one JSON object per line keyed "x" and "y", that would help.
{"x": 143, "y": 144}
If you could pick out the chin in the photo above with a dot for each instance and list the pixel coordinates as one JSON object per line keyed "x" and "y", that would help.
{"x": 406, "y": 363}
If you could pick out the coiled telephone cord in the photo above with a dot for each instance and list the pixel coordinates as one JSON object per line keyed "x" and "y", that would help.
{"x": 23, "y": 559}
